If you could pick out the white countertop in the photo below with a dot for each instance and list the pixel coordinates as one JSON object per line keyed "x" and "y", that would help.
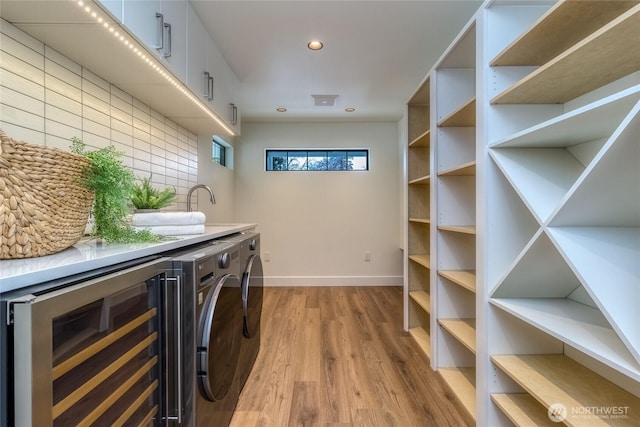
{"x": 89, "y": 254}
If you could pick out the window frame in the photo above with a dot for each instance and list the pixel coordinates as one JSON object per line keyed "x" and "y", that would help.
{"x": 326, "y": 151}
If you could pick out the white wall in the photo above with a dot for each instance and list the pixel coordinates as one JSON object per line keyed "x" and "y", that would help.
{"x": 316, "y": 226}
{"x": 221, "y": 180}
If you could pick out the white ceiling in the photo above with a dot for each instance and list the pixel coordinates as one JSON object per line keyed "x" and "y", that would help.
{"x": 376, "y": 53}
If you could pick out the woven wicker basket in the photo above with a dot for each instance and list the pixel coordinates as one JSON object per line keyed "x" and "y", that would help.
{"x": 43, "y": 206}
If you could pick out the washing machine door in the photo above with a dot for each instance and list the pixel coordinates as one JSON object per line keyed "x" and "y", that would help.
{"x": 219, "y": 338}
{"x": 252, "y": 287}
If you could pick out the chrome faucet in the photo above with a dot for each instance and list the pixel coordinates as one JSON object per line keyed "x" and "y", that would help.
{"x": 195, "y": 187}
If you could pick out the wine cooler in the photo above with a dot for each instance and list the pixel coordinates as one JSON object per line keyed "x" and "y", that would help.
{"x": 93, "y": 352}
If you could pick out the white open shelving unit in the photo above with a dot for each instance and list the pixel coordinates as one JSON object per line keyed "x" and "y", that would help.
{"x": 534, "y": 254}
{"x": 418, "y": 263}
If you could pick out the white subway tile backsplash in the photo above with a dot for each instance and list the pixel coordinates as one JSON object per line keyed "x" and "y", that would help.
{"x": 22, "y": 68}
{"x": 22, "y": 37}
{"x": 22, "y": 118}
{"x": 20, "y": 133}
{"x": 53, "y": 113}
{"x": 158, "y": 173}
{"x": 121, "y": 95}
{"x": 96, "y": 103}
{"x": 61, "y": 130}
{"x": 59, "y": 142}
{"x": 124, "y": 119}
{"x": 140, "y": 167}
{"x": 61, "y": 73}
{"x": 22, "y": 85}
{"x": 48, "y": 99}
{"x": 11, "y": 97}
{"x": 97, "y": 129}
{"x": 98, "y": 82}
{"x": 62, "y": 87}
{"x": 125, "y": 148}
{"x": 121, "y": 105}
{"x": 62, "y": 102}
{"x": 89, "y": 88}
{"x": 96, "y": 116}
{"x": 61, "y": 60}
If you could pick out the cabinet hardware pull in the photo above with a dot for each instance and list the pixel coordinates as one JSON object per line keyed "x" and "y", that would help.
{"x": 207, "y": 89}
{"x": 234, "y": 114}
{"x": 167, "y": 51}
{"x": 210, "y": 87}
{"x": 160, "y": 32}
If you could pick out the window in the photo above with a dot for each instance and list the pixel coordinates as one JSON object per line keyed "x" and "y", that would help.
{"x": 219, "y": 153}
{"x": 317, "y": 160}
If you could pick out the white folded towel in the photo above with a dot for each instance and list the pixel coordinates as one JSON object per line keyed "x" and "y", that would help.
{"x": 173, "y": 230}
{"x": 168, "y": 218}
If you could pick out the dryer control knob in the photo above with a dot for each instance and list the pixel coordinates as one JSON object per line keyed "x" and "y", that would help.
{"x": 252, "y": 245}
{"x": 224, "y": 260}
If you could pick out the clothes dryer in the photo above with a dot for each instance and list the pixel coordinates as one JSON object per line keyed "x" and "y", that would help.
{"x": 209, "y": 334}
{"x": 252, "y": 296}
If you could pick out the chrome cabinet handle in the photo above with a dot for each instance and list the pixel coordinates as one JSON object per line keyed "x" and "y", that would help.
{"x": 160, "y": 32}
{"x": 207, "y": 89}
{"x": 234, "y": 114}
{"x": 167, "y": 51}
{"x": 210, "y": 87}
{"x": 180, "y": 347}
{"x": 168, "y": 416}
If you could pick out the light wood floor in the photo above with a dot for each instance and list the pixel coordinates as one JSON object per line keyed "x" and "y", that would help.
{"x": 338, "y": 357}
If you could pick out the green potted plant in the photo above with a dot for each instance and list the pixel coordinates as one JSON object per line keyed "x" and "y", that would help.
{"x": 112, "y": 184}
{"x": 147, "y": 197}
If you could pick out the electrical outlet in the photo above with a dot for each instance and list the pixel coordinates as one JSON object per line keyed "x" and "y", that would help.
{"x": 367, "y": 256}
{"x": 267, "y": 256}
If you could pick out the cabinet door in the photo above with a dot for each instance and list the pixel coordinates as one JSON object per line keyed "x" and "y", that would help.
{"x": 162, "y": 26}
{"x": 198, "y": 42}
{"x": 175, "y": 36}
{"x": 115, "y": 7}
{"x": 139, "y": 16}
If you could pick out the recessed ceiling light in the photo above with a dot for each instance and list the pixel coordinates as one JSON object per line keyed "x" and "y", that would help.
{"x": 315, "y": 45}
{"x": 281, "y": 109}
{"x": 349, "y": 109}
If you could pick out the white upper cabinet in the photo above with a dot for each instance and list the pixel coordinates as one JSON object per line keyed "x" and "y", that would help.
{"x": 198, "y": 41}
{"x": 208, "y": 73}
{"x": 162, "y": 26}
{"x": 115, "y": 7}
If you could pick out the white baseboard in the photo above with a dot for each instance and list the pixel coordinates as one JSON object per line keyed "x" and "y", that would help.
{"x": 289, "y": 281}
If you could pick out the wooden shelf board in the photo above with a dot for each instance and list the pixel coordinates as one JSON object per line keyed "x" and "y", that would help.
{"x": 589, "y": 123}
{"x": 465, "y": 229}
{"x": 523, "y": 410}
{"x": 423, "y": 180}
{"x": 600, "y": 59}
{"x": 421, "y": 141}
{"x": 556, "y": 378}
{"x": 423, "y": 299}
{"x": 561, "y": 27}
{"x": 423, "y": 260}
{"x": 464, "y": 278}
{"x": 578, "y": 325}
{"x": 423, "y": 339}
{"x": 467, "y": 169}
{"x": 462, "y": 382}
{"x": 465, "y": 116}
{"x": 464, "y": 330}
{"x": 420, "y": 220}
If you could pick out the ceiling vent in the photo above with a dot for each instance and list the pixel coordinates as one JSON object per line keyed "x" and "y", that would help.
{"x": 324, "y": 100}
